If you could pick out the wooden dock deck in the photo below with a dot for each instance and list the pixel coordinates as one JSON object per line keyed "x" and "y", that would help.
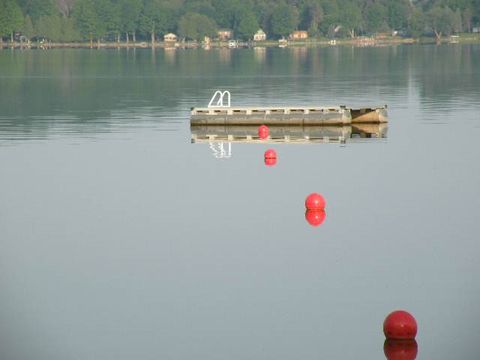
{"x": 288, "y": 116}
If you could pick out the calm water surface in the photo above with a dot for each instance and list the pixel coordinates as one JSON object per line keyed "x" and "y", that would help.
{"x": 120, "y": 239}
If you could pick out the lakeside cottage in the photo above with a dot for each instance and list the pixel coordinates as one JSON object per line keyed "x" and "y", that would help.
{"x": 299, "y": 35}
{"x": 260, "y": 36}
{"x": 170, "y": 37}
{"x": 224, "y": 34}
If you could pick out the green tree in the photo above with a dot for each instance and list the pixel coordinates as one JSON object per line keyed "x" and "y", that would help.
{"x": 27, "y": 29}
{"x": 247, "y": 27}
{"x": 441, "y": 21}
{"x": 87, "y": 19}
{"x": 65, "y": 7}
{"x": 203, "y": 7}
{"x": 11, "y": 18}
{"x": 312, "y": 16}
{"x": 264, "y": 10}
{"x": 476, "y": 10}
{"x": 416, "y": 23}
{"x": 246, "y": 24}
{"x": 130, "y": 11}
{"x": 68, "y": 30}
{"x": 38, "y": 8}
{"x": 352, "y": 19}
{"x": 154, "y": 19}
{"x": 398, "y": 14}
{"x": 108, "y": 13}
{"x": 457, "y": 22}
{"x": 332, "y": 18}
{"x": 49, "y": 27}
{"x": 173, "y": 12}
{"x": 284, "y": 20}
{"x": 226, "y": 12}
{"x": 196, "y": 27}
{"x": 375, "y": 15}
{"x": 467, "y": 19}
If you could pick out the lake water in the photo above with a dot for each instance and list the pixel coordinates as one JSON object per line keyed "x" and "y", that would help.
{"x": 122, "y": 239}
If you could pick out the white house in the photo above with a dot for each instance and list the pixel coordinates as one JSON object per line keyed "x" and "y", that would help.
{"x": 170, "y": 37}
{"x": 260, "y": 36}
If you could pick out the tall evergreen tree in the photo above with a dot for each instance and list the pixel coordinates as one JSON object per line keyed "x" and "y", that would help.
{"x": 27, "y": 29}
{"x": 130, "y": 11}
{"x": 38, "y": 8}
{"x": 11, "y": 18}
{"x": 153, "y": 19}
{"x": 87, "y": 19}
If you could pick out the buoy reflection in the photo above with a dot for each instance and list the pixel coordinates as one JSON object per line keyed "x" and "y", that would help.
{"x": 263, "y": 132}
{"x": 400, "y": 349}
{"x": 270, "y": 157}
{"x": 315, "y": 217}
{"x": 270, "y": 161}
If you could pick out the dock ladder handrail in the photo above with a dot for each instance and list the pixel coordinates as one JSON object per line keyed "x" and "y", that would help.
{"x": 220, "y": 95}
{"x": 219, "y": 150}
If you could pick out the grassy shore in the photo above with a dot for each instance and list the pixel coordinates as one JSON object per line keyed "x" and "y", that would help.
{"x": 358, "y": 41}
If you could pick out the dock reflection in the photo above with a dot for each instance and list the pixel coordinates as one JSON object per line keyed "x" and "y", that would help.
{"x": 288, "y": 134}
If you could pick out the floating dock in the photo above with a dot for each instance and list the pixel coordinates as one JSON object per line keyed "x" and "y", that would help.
{"x": 219, "y": 112}
{"x": 288, "y": 116}
{"x": 289, "y": 134}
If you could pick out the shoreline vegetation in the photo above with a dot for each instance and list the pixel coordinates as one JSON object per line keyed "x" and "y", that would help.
{"x": 361, "y": 41}
{"x": 235, "y": 23}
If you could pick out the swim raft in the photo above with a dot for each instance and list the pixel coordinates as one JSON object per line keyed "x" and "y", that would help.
{"x": 219, "y": 112}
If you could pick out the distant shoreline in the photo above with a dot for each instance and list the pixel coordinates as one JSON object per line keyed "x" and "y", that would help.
{"x": 359, "y": 42}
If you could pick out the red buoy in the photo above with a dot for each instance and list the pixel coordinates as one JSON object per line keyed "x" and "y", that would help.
{"x": 400, "y": 349}
{"x": 400, "y": 325}
{"x": 315, "y": 217}
{"x": 263, "y": 132}
{"x": 315, "y": 201}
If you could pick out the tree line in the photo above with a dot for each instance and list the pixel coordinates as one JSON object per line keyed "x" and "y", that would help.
{"x": 146, "y": 20}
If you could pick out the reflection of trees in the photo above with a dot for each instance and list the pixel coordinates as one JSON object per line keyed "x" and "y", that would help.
{"x": 447, "y": 73}
{"x": 91, "y": 89}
